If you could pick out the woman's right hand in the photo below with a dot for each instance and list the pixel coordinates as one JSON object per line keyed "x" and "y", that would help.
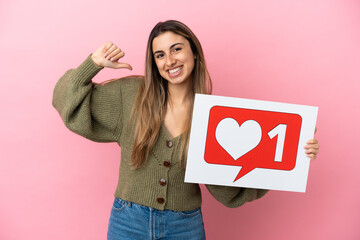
{"x": 108, "y": 55}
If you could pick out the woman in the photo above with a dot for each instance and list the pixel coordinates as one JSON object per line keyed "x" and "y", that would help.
{"x": 149, "y": 117}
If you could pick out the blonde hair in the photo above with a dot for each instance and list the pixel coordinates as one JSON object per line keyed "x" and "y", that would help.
{"x": 151, "y": 100}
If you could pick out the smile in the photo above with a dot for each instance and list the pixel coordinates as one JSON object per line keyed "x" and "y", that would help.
{"x": 175, "y": 70}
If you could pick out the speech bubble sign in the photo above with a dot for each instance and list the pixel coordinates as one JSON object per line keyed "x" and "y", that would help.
{"x": 249, "y": 143}
{"x": 256, "y": 150}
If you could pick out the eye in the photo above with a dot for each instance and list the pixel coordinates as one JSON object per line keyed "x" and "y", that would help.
{"x": 160, "y": 55}
{"x": 177, "y": 49}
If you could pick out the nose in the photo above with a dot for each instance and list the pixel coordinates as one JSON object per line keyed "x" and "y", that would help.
{"x": 170, "y": 61}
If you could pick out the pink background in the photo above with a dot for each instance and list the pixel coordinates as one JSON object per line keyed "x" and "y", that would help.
{"x": 57, "y": 185}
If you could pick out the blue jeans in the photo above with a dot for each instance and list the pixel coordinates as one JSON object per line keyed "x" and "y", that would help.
{"x": 133, "y": 221}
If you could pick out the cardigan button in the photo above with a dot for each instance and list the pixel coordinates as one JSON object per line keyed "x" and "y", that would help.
{"x": 166, "y": 164}
{"x": 160, "y": 200}
{"x": 162, "y": 182}
{"x": 169, "y": 143}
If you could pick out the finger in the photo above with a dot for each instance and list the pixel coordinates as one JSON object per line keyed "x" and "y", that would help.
{"x": 312, "y": 141}
{"x": 116, "y": 57}
{"x": 310, "y": 146}
{"x": 312, "y": 151}
{"x": 315, "y": 130}
{"x": 113, "y": 54}
{"x": 311, "y": 156}
{"x": 123, "y": 65}
{"x": 110, "y": 50}
{"x": 107, "y": 46}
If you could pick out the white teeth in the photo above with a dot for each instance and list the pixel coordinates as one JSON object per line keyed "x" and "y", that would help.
{"x": 172, "y": 71}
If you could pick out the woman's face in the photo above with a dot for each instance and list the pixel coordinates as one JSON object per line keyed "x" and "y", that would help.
{"x": 174, "y": 58}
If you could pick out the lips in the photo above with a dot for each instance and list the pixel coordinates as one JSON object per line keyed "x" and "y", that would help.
{"x": 175, "y": 71}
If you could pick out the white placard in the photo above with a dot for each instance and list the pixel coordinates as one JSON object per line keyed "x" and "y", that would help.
{"x": 249, "y": 143}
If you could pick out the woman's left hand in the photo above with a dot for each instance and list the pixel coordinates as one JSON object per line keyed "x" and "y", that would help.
{"x": 312, "y": 148}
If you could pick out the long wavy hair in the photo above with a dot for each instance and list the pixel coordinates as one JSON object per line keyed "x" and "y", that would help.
{"x": 151, "y": 100}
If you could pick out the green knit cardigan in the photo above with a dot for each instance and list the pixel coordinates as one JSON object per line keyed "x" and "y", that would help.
{"x": 101, "y": 112}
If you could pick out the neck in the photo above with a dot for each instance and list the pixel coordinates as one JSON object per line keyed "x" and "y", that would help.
{"x": 179, "y": 94}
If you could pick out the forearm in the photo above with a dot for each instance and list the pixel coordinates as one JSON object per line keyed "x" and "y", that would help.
{"x": 82, "y": 105}
{"x": 235, "y": 196}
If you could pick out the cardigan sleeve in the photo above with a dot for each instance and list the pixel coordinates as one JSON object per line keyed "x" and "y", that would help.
{"x": 88, "y": 109}
{"x": 233, "y": 197}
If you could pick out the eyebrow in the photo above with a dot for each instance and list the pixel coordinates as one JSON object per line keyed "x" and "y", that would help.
{"x": 169, "y": 48}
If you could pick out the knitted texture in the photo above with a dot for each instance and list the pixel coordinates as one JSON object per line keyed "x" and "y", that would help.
{"x": 101, "y": 112}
